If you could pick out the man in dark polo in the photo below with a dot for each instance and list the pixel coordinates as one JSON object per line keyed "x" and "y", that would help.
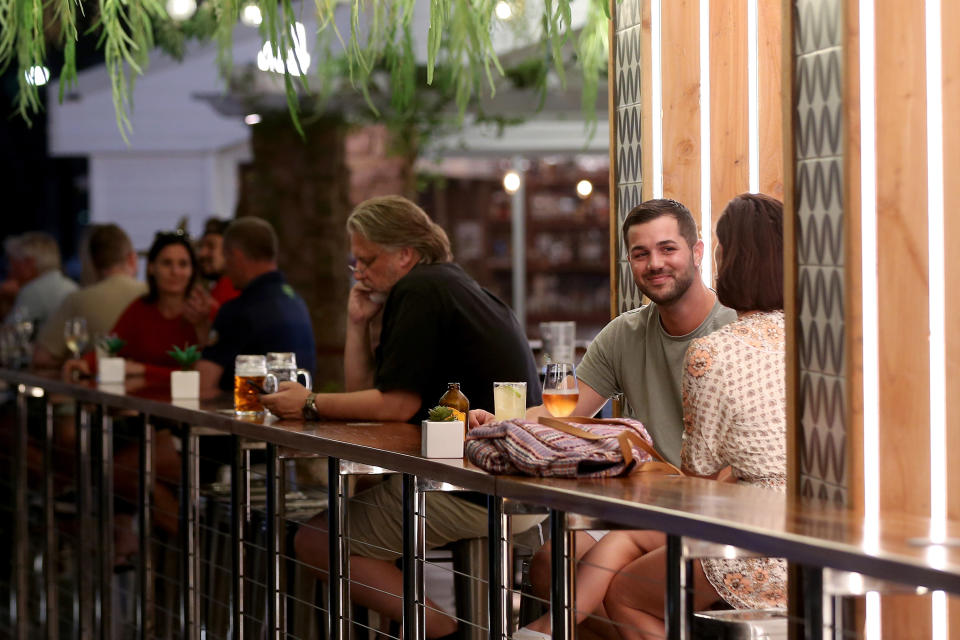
{"x": 268, "y": 315}
{"x": 435, "y": 325}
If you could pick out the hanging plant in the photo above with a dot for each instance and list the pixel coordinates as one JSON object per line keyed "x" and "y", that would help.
{"x": 459, "y": 44}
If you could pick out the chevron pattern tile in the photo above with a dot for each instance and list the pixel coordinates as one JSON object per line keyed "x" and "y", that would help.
{"x": 818, "y": 90}
{"x": 627, "y": 67}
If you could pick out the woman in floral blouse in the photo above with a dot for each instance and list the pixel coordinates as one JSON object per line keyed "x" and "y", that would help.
{"x": 734, "y": 401}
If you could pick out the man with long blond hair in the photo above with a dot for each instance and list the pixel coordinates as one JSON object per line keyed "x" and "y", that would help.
{"x": 436, "y": 325}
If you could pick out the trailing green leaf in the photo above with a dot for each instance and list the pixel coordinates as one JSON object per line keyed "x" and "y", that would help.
{"x": 593, "y": 52}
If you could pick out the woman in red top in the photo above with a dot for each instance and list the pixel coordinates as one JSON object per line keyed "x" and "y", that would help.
{"x": 160, "y": 320}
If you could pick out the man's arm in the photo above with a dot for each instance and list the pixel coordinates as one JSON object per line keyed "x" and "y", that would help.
{"x": 358, "y": 364}
{"x": 367, "y": 404}
{"x": 210, "y": 373}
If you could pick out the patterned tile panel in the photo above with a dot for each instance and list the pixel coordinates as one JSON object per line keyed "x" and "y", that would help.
{"x": 818, "y": 25}
{"x": 818, "y": 196}
{"x": 628, "y": 48}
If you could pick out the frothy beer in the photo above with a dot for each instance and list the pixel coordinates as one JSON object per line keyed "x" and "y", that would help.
{"x": 248, "y": 378}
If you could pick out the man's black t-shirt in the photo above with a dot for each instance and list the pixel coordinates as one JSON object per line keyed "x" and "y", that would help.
{"x": 440, "y": 326}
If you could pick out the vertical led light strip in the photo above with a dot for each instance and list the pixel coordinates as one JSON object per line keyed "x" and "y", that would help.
{"x": 753, "y": 97}
{"x": 937, "y": 293}
{"x": 656, "y": 99}
{"x": 935, "y": 239}
{"x": 872, "y": 630}
{"x": 706, "y": 215}
{"x": 868, "y": 239}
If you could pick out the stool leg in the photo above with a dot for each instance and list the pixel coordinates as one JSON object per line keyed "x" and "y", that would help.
{"x": 499, "y": 571}
{"x": 562, "y": 558}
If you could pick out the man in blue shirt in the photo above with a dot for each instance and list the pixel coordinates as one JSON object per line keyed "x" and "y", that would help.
{"x": 268, "y": 315}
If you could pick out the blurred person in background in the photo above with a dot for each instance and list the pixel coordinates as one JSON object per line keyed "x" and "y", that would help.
{"x": 114, "y": 263}
{"x": 218, "y": 287}
{"x": 159, "y": 320}
{"x": 268, "y": 315}
{"x": 34, "y": 259}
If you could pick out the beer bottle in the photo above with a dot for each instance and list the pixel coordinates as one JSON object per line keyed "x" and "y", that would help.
{"x": 455, "y": 399}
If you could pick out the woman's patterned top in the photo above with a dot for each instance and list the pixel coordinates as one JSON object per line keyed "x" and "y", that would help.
{"x": 734, "y": 413}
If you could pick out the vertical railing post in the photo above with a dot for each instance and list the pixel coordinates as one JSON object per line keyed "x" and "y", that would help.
{"x": 238, "y": 519}
{"x": 188, "y": 524}
{"x": 498, "y": 572}
{"x": 145, "y": 599}
{"x": 19, "y": 594}
{"x": 673, "y": 609}
{"x": 562, "y": 615}
{"x": 336, "y": 583}
{"x": 50, "y": 597}
{"x": 272, "y": 590}
{"x": 105, "y": 524}
{"x": 811, "y": 582}
{"x": 82, "y": 599}
{"x": 413, "y": 618}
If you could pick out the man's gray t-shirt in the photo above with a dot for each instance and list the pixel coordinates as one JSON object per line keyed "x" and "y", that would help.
{"x": 633, "y": 355}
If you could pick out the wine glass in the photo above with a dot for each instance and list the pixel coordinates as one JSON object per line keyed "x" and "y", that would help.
{"x": 76, "y": 336}
{"x": 560, "y": 392}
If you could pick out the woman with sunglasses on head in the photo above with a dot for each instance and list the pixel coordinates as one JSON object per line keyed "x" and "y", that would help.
{"x": 734, "y": 416}
{"x": 154, "y": 323}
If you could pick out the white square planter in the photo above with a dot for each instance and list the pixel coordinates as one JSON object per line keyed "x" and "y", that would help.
{"x": 441, "y": 439}
{"x": 185, "y": 385}
{"x": 111, "y": 370}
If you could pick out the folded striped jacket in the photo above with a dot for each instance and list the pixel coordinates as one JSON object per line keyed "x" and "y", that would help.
{"x": 557, "y": 448}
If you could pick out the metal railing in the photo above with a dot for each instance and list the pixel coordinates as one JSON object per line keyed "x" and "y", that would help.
{"x": 811, "y": 536}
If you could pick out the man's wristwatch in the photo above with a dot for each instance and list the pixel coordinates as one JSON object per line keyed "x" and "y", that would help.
{"x": 309, "y": 409}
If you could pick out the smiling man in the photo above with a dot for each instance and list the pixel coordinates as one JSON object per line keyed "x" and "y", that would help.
{"x": 640, "y": 353}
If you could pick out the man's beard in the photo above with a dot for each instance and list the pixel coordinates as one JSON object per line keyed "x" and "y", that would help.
{"x": 682, "y": 282}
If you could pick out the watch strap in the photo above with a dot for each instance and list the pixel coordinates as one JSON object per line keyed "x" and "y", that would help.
{"x": 310, "y": 409}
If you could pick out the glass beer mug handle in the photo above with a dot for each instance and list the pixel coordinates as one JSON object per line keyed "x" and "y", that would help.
{"x": 307, "y": 380}
{"x": 270, "y": 383}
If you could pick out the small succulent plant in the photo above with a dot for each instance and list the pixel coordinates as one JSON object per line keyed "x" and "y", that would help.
{"x": 444, "y": 414}
{"x": 112, "y": 344}
{"x": 186, "y": 357}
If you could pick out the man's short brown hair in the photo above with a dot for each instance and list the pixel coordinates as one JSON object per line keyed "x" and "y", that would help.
{"x": 750, "y": 274}
{"x": 254, "y": 237}
{"x": 653, "y": 209}
{"x": 108, "y": 246}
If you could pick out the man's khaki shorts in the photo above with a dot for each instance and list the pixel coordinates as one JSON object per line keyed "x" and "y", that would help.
{"x": 375, "y": 526}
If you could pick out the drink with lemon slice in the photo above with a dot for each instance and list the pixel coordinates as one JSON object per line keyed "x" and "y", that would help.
{"x": 510, "y": 400}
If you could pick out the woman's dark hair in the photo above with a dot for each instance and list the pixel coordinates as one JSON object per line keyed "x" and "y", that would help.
{"x": 163, "y": 240}
{"x": 750, "y": 274}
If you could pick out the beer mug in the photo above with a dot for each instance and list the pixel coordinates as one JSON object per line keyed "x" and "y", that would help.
{"x": 283, "y": 366}
{"x": 248, "y": 376}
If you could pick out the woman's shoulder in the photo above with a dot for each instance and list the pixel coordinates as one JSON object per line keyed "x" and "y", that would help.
{"x": 763, "y": 330}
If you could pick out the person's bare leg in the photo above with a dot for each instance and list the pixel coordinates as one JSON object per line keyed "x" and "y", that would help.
{"x": 540, "y": 563}
{"x": 635, "y": 599}
{"x": 375, "y": 584}
{"x": 597, "y": 569}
